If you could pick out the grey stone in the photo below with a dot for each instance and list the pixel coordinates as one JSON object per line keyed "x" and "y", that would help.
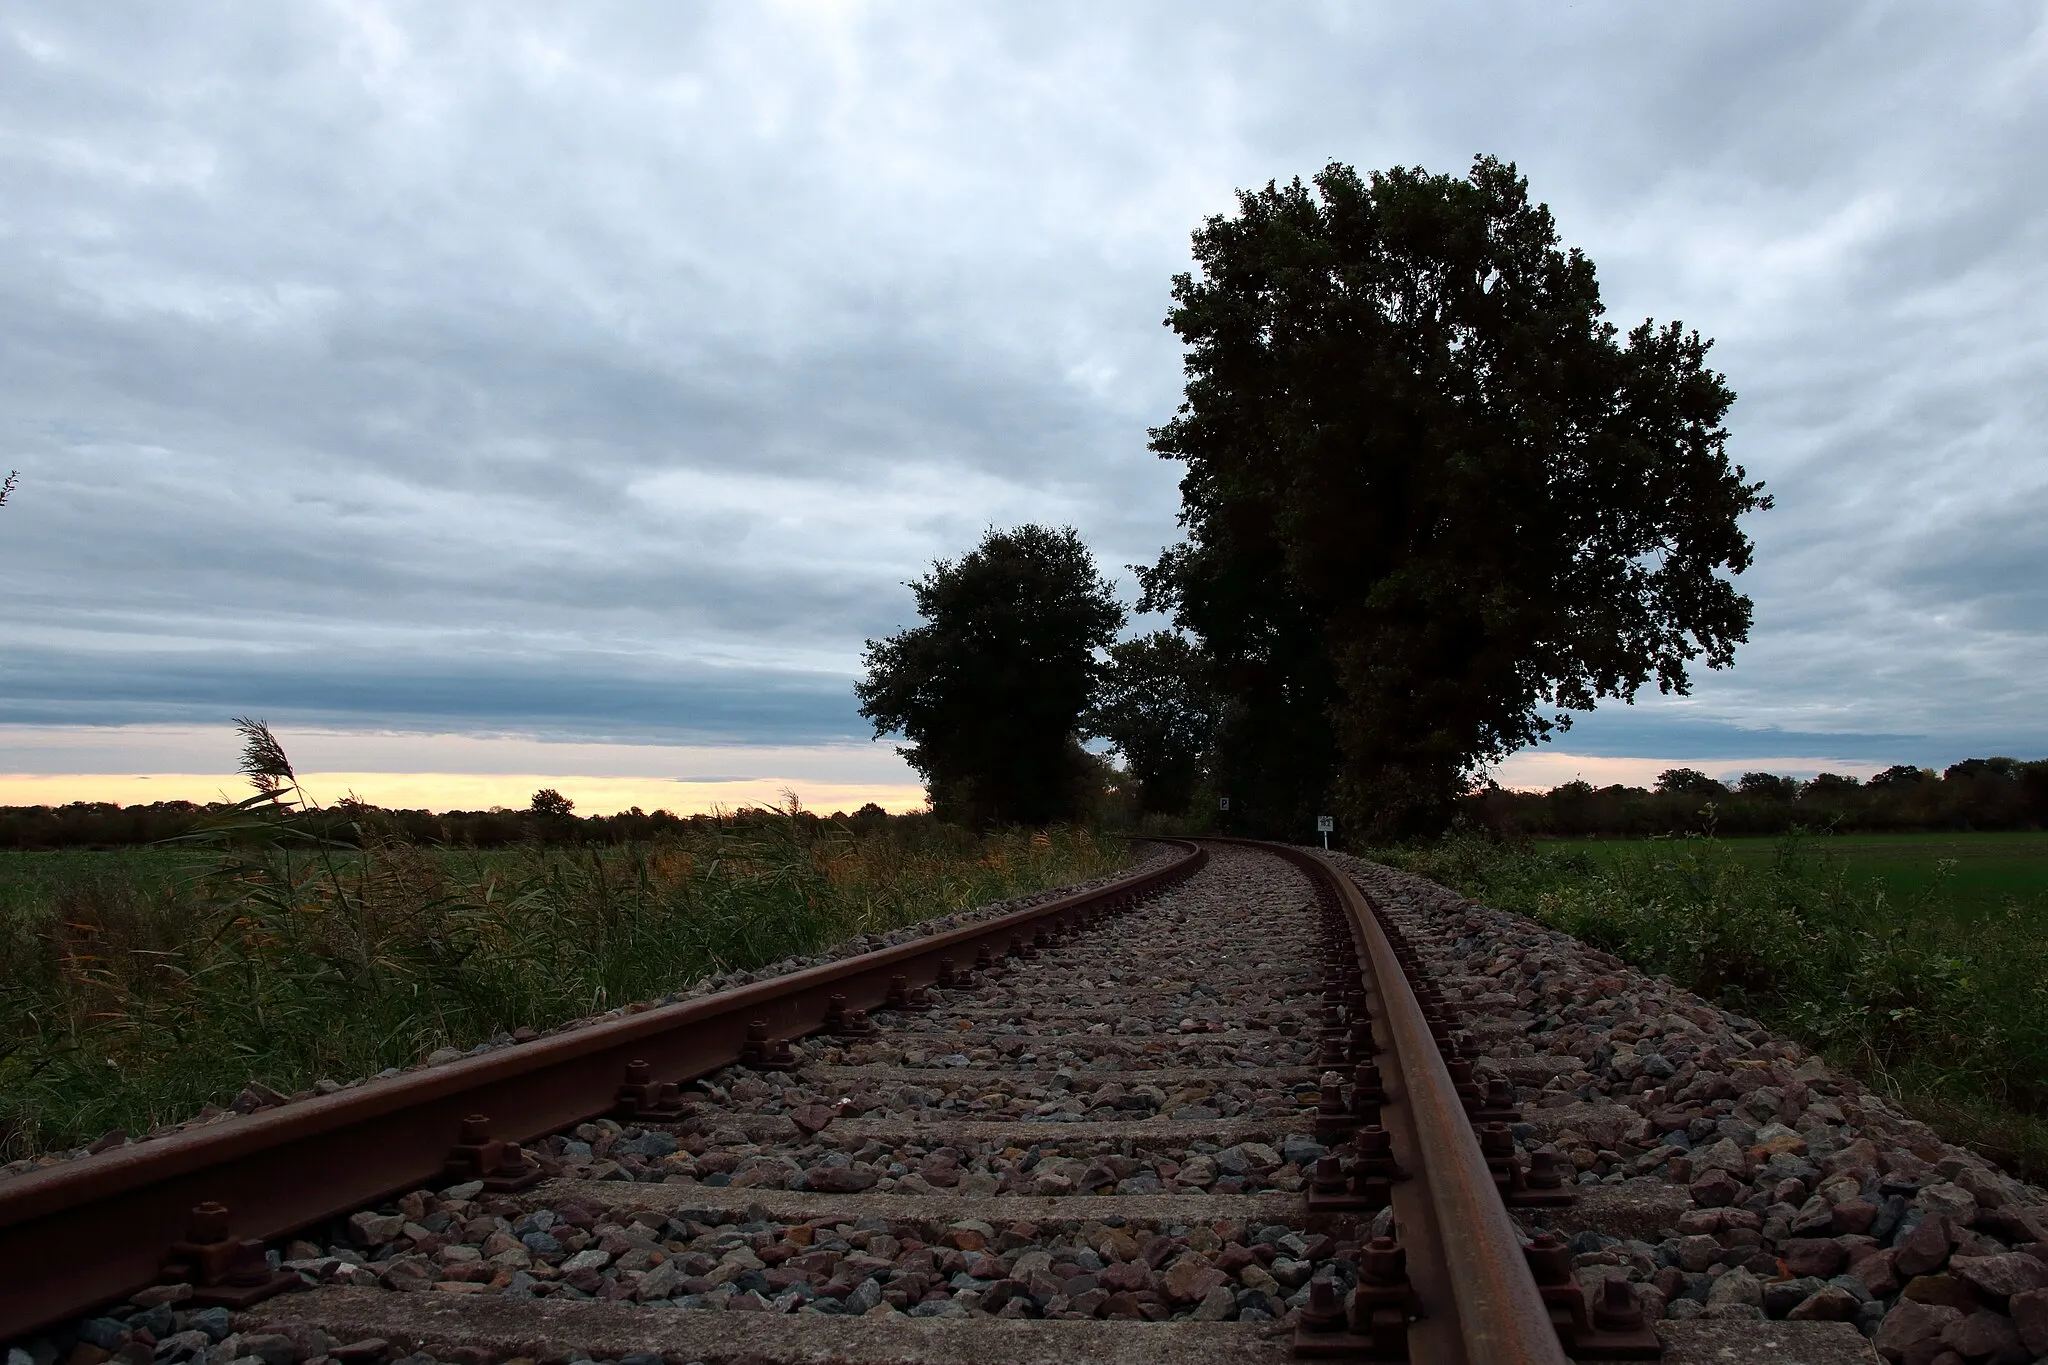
{"x": 2000, "y": 1277}
{"x": 658, "y": 1283}
{"x": 1952, "y": 1202}
{"x": 1299, "y": 1149}
{"x": 105, "y": 1333}
{"x": 182, "y": 1345}
{"x": 272, "y": 1348}
{"x": 1737, "y": 1286}
{"x": 1830, "y": 1303}
{"x": 1981, "y": 1334}
{"x": 375, "y": 1229}
{"x": 215, "y": 1322}
{"x": 648, "y": 1144}
{"x": 1911, "y": 1323}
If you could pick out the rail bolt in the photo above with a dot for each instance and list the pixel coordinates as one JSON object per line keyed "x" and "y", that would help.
{"x": 1362, "y": 1043}
{"x": 638, "y": 1073}
{"x": 945, "y": 971}
{"x": 222, "y": 1268}
{"x": 1543, "y": 1171}
{"x": 476, "y": 1129}
{"x": 1550, "y": 1260}
{"x": 208, "y": 1224}
{"x": 1496, "y": 1141}
{"x": 1329, "y": 1175}
{"x": 1616, "y": 1309}
{"x": 1325, "y": 1311}
{"x": 1383, "y": 1263}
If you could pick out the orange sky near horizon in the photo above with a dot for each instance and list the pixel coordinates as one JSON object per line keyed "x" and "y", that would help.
{"x": 463, "y": 791}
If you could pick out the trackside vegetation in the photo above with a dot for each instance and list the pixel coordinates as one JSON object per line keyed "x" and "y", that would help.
{"x": 140, "y": 989}
{"x": 1939, "y": 1001}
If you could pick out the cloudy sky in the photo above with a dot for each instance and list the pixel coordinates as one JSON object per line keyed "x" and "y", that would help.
{"x": 487, "y": 393}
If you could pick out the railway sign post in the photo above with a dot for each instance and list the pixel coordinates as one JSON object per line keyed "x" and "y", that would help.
{"x": 1324, "y": 824}
{"x": 1222, "y": 803}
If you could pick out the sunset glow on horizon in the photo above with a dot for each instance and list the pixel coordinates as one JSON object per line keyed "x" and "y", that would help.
{"x": 465, "y": 791}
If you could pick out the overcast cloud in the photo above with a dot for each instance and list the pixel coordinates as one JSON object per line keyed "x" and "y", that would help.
{"x": 600, "y": 373}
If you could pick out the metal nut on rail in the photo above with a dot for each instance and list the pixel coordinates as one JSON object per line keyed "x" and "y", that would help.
{"x": 1383, "y": 1302}
{"x": 762, "y": 1053}
{"x": 646, "y": 1099}
{"x": 223, "y": 1269}
{"x": 1324, "y": 1311}
{"x": 1618, "y": 1309}
{"x": 502, "y": 1166}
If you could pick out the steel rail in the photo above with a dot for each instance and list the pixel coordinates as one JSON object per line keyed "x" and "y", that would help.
{"x": 1501, "y": 1315}
{"x": 86, "y": 1232}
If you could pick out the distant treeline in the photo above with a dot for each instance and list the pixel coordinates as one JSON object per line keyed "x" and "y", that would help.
{"x": 103, "y": 824}
{"x": 1976, "y": 794}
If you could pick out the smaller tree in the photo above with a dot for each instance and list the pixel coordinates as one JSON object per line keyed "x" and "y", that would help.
{"x": 991, "y": 688}
{"x": 1902, "y": 775}
{"x": 1689, "y": 782}
{"x": 1768, "y": 786}
{"x": 551, "y": 804}
{"x": 1156, "y": 707}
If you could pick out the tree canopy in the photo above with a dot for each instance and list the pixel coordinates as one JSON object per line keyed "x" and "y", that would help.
{"x": 1433, "y": 501}
{"x": 1156, "y": 708}
{"x": 991, "y": 688}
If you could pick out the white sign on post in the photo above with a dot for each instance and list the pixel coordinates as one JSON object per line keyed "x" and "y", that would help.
{"x": 1324, "y": 824}
{"x": 1222, "y": 803}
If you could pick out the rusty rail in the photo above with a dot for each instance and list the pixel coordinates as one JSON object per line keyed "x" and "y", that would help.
{"x": 1473, "y": 1295}
{"x": 90, "y": 1231}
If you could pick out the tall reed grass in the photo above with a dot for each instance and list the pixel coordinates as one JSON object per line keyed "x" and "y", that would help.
{"x": 1944, "y": 1009}
{"x": 282, "y": 959}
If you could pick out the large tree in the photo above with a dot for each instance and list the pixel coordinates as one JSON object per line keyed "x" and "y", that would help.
{"x": 1156, "y": 708}
{"x": 1433, "y": 501}
{"x": 990, "y": 689}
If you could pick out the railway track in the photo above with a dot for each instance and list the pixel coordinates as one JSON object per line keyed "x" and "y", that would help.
{"x": 1227, "y": 1109}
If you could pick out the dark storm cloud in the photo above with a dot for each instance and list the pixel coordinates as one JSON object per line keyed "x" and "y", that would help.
{"x": 590, "y": 697}
{"x": 604, "y": 371}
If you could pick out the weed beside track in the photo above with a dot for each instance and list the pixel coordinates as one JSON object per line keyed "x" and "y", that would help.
{"x": 132, "y": 1001}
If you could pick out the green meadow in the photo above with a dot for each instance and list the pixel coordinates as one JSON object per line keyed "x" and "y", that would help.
{"x": 1918, "y": 962}
{"x": 1961, "y": 874}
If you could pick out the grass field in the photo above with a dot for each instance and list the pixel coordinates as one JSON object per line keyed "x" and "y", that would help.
{"x": 1961, "y": 873}
{"x": 140, "y": 985}
{"x": 1918, "y": 962}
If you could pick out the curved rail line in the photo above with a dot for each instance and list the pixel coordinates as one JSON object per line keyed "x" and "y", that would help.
{"x": 1416, "y": 1150}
